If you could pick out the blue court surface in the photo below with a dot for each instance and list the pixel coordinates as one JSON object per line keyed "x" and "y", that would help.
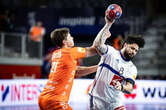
{"x": 85, "y": 107}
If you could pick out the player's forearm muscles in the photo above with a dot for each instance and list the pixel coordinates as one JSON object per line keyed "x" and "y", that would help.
{"x": 83, "y": 70}
{"x": 90, "y": 51}
{"x": 101, "y": 38}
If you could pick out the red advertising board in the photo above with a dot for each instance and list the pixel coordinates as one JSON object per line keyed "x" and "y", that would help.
{"x": 19, "y": 71}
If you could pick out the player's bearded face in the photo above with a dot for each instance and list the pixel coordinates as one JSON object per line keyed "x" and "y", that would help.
{"x": 130, "y": 51}
{"x": 127, "y": 55}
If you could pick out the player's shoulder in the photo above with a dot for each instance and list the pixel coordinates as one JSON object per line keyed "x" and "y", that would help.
{"x": 132, "y": 66}
{"x": 111, "y": 49}
{"x": 56, "y": 50}
{"x": 56, "y": 54}
{"x": 78, "y": 49}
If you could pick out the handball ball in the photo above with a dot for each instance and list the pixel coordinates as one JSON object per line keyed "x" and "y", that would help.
{"x": 113, "y": 11}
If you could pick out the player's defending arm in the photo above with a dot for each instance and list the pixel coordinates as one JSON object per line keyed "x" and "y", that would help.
{"x": 99, "y": 42}
{"x": 83, "y": 70}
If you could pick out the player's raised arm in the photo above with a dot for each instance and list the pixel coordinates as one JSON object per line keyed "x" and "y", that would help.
{"x": 99, "y": 42}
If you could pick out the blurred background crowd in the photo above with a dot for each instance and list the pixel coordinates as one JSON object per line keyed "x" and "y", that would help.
{"x": 24, "y": 56}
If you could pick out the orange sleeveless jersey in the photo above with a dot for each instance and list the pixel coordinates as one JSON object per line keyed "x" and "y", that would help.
{"x": 35, "y": 32}
{"x": 60, "y": 81}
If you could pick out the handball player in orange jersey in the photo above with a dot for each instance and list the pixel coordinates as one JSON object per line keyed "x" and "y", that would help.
{"x": 64, "y": 68}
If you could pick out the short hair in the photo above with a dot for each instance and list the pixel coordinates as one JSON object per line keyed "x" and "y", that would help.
{"x": 138, "y": 39}
{"x": 58, "y": 35}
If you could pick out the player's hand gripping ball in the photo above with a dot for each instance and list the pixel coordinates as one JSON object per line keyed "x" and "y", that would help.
{"x": 113, "y": 11}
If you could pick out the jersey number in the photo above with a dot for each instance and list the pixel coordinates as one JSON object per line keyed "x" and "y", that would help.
{"x": 53, "y": 68}
{"x": 121, "y": 71}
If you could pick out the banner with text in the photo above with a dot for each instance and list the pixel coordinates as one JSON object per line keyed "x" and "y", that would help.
{"x": 18, "y": 92}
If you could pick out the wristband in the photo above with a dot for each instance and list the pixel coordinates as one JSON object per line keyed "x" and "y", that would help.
{"x": 122, "y": 87}
{"x": 124, "y": 91}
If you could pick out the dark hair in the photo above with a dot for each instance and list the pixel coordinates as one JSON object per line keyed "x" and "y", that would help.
{"x": 58, "y": 35}
{"x": 138, "y": 39}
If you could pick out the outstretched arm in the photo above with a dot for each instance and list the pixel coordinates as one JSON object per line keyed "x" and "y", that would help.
{"x": 83, "y": 70}
{"x": 91, "y": 51}
{"x": 99, "y": 42}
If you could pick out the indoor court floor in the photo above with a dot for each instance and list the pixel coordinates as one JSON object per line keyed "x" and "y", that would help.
{"x": 84, "y": 107}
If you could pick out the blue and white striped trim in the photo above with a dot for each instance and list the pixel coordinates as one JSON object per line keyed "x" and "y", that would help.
{"x": 115, "y": 72}
{"x": 123, "y": 57}
{"x": 107, "y": 50}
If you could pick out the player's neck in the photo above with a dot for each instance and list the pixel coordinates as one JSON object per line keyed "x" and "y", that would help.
{"x": 122, "y": 52}
{"x": 65, "y": 46}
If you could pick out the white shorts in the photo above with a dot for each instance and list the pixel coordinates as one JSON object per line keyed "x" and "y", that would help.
{"x": 100, "y": 104}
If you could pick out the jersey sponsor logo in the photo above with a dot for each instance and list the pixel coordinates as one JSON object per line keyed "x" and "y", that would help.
{"x": 116, "y": 78}
{"x": 117, "y": 60}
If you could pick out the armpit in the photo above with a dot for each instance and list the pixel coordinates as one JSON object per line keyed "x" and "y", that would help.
{"x": 102, "y": 49}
